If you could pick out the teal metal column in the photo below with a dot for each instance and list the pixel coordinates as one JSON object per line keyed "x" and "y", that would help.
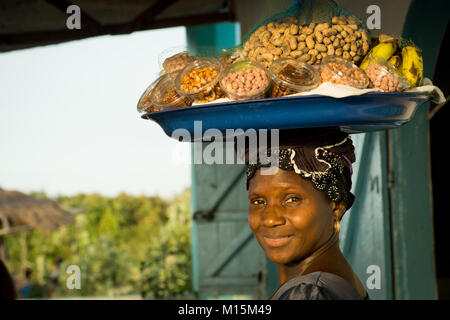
{"x": 220, "y": 35}
{"x": 409, "y": 165}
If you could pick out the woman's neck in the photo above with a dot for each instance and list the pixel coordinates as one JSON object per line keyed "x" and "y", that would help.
{"x": 326, "y": 256}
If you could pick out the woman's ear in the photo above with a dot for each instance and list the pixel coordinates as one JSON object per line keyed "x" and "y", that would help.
{"x": 338, "y": 210}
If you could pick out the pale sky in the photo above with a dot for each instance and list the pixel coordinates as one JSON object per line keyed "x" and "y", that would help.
{"x": 68, "y": 119}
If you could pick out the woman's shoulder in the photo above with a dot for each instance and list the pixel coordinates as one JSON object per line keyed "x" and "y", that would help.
{"x": 317, "y": 285}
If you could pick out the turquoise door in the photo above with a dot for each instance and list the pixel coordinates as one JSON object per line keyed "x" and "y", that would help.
{"x": 226, "y": 258}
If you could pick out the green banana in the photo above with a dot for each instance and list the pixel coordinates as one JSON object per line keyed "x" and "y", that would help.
{"x": 383, "y": 50}
{"x": 412, "y": 65}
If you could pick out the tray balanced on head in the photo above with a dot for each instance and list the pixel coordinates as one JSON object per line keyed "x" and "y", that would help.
{"x": 354, "y": 114}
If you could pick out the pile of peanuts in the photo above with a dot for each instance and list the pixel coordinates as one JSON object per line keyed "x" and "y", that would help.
{"x": 177, "y": 62}
{"x": 246, "y": 82}
{"x": 342, "y": 73}
{"x": 383, "y": 79}
{"x": 308, "y": 43}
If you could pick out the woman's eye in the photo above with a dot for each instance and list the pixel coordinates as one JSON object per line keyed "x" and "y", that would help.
{"x": 293, "y": 199}
{"x": 257, "y": 202}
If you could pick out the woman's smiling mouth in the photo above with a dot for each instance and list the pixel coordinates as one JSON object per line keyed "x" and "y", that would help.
{"x": 278, "y": 241}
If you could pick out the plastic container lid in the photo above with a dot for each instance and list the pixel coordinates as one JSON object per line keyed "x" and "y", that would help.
{"x": 292, "y": 76}
{"x": 202, "y": 91}
{"x": 341, "y": 71}
{"x": 164, "y": 96}
{"x": 145, "y": 103}
{"x": 385, "y": 76}
{"x": 245, "y": 80}
{"x": 174, "y": 59}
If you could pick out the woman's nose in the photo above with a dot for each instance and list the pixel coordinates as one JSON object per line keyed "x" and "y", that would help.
{"x": 273, "y": 217}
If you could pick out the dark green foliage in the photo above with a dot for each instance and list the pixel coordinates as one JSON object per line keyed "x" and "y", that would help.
{"x": 123, "y": 245}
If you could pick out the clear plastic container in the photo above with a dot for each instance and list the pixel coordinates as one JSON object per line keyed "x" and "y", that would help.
{"x": 199, "y": 80}
{"x": 385, "y": 76}
{"x": 245, "y": 80}
{"x": 341, "y": 71}
{"x": 318, "y": 68}
{"x": 145, "y": 103}
{"x": 230, "y": 56}
{"x": 292, "y": 76}
{"x": 174, "y": 59}
{"x": 165, "y": 96}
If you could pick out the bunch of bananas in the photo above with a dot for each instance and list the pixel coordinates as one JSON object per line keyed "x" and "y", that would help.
{"x": 404, "y": 55}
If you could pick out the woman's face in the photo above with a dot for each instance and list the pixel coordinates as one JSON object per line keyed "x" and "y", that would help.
{"x": 288, "y": 215}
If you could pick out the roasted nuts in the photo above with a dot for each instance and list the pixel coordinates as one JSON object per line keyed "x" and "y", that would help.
{"x": 164, "y": 95}
{"x": 177, "y": 62}
{"x": 170, "y": 96}
{"x": 145, "y": 103}
{"x": 296, "y": 41}
{"x": 385, "y": 78}
{"x": 245, "y": 80}
{"x": 199, "y": 80}
{"x": 341, "y": 71}
{"x": 292, "y": 76}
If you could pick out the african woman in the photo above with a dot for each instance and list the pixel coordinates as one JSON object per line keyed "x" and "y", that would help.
{"x": 295, "y": 212}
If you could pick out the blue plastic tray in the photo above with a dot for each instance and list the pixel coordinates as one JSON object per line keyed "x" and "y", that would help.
{"x": 369, "y": 112}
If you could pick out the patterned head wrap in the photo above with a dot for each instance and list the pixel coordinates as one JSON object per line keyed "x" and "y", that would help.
{"x": 322, "y": 155}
